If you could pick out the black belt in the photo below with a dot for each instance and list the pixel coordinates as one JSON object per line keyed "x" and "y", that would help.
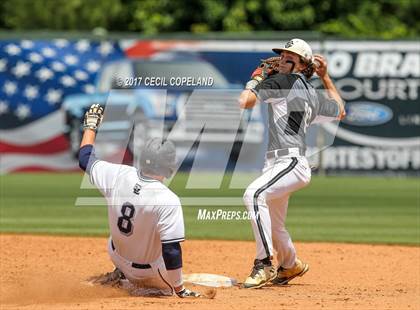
{"x": 284, "y": 152}
{"x": 134, "y": 265}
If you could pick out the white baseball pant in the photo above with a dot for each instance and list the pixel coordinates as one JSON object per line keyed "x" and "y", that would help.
{"x": 268, "y": 197}
{"x": 155, "y": 277}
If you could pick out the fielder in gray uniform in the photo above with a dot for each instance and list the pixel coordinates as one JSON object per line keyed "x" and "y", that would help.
{"x": 145, "y": 217}
{"x": 293, "y": 104}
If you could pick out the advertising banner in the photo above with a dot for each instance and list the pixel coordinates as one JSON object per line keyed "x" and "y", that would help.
{"x": 48, "y": 85}
{"x": 380, "y": 83}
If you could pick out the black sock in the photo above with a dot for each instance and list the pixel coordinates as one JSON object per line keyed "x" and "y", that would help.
{"x": 266, "y": 261}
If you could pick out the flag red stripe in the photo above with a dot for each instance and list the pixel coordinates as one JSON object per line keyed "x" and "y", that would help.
{"x": 145, "y": 49}
{"x": 55, "y": 145}
{"x": 42, "y": 169}
{"x": 140, "y": 49}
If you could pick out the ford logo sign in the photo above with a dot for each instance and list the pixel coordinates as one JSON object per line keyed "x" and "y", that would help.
{"x": 365, "y": 113}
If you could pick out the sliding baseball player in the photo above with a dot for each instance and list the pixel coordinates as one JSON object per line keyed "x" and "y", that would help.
{"x": 145, "y": 217}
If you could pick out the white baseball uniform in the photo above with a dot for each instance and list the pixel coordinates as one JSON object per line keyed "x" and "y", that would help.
{"x": 142, "y": 214}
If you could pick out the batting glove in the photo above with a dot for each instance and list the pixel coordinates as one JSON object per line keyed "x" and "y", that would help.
{"x": 186, "y": 293}
{"x": 93, "y": 117}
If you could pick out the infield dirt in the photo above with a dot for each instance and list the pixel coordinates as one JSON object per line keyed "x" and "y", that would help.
{"x": 46, "y": 272}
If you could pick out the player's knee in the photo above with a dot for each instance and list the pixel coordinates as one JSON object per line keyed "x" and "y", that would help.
{"x": 306, "y": 180}
{"x": 251, "y": 198}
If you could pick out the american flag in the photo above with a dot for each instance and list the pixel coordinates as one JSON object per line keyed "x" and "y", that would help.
{"x": 35, "y": 77}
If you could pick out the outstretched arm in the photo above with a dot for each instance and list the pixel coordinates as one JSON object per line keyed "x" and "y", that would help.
{"x": 89, "y": 136}
{"x": 91, "y": 122}
{"x": 322, "y": 72}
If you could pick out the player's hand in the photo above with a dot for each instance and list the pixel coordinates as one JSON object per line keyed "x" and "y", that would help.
{"x": 321, "y": 66}
{"x": 342, "y": 112}
{"x": 93, "y": 117}
{"x": 186, "y": 293}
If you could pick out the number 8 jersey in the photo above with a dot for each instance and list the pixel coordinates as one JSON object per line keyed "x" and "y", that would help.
{"x": 293, "y": 104}
{"x": 142, "y": 212}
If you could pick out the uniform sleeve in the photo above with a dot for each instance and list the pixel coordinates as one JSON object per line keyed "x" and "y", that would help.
{"x": 86, "y": 157}
{"x": 327, "y": 106}
{"x": 276, "y": 86}
{"x": 328, "y": 110}
{"x": 266, "y": 89}
{"x": 104, "y": 175}
{"x": 171, "y": 223}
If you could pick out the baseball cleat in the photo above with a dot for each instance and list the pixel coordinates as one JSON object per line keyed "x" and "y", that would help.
{"x": 261, "y": 274}
{"x": 285, "y": 275}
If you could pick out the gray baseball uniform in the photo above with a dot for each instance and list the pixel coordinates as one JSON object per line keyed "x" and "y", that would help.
{"x": 293, "y": 104}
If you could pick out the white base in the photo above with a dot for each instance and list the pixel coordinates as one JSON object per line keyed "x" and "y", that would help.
{"x": 207, "y": 279}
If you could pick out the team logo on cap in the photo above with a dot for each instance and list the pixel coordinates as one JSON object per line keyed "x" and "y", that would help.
{"x": 289, "y": 44}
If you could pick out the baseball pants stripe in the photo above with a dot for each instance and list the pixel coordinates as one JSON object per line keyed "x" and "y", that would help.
{"x": 258, "y": 193}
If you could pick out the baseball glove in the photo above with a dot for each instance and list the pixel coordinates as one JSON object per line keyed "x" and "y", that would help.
{"x": 271, "y": 63}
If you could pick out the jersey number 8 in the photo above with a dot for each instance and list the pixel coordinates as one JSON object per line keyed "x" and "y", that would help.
{"x": 124, "y": 222}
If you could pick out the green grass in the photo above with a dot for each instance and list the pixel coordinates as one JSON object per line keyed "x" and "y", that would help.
{"x": 339, "y": 209}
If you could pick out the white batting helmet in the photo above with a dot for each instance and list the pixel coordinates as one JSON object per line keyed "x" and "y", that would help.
{"x": 299, "y": 47}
